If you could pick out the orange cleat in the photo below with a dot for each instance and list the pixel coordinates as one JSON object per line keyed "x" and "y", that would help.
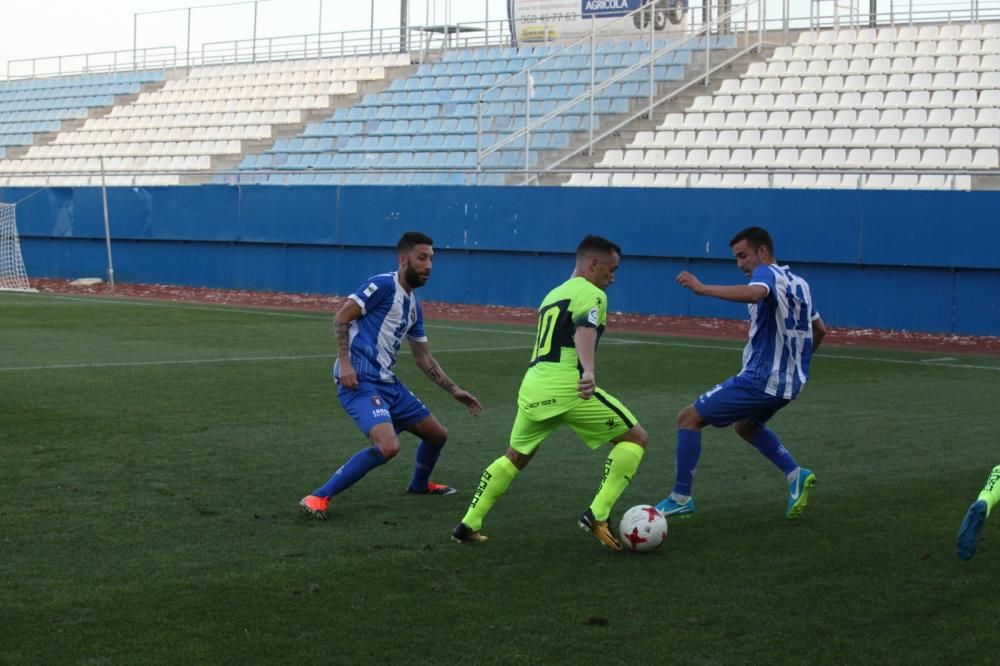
{"x": 433, "y": 489}
{"x": 315, "y": 506}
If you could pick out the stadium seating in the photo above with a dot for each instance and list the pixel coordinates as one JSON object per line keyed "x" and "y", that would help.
{"x": 30, "y": 107}
{"x": 892, "y": 107}
{"x": 834, "y": 107}
{"x": 427, "y": 123}
{"x": 192, "y": 123}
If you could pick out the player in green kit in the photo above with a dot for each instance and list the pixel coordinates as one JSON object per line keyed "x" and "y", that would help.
{"x": 560, "y": 388}
{"x": 975, "y": 517}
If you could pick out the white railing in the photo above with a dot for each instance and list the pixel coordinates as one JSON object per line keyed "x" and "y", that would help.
{"x": 418, "y": 40}
{"x": 235, "y": 177}
{"x": 746, "y": 20}
{"x": 794, "y": 15}
{"x": 855, "y": 13}
{"x": 415, "y": 39}
{"x": 160, "y": 57}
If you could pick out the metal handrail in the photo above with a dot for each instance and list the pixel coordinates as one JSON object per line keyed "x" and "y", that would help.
{"x": 158, "y": 57}
{"x": 357, "y": 42}
{"x": 647, "y": 61}
{"x": 647, "y": 111}
{"x": 6, "y": 176}
{"x": 526, "y": 75}
{"x": 973, "y": 11}
{"x": 418, "y": 39}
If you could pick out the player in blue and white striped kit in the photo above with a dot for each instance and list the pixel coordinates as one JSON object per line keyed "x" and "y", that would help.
{"x": 370, "y": 329}
{"x": 785, "y": 330}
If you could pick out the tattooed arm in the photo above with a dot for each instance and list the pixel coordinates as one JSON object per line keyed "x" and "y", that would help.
{"x": 426, "y": 362}
{"x": 341, "y": 331}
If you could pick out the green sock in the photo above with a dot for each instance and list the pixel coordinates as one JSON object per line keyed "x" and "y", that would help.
{"x": 991, "y": 491}
{"x": 619, "y": 469}
{"x": 494, "y": 483}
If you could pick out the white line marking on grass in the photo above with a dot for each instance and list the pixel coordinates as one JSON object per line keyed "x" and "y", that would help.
{"x": 189, "y": 306}
{"x": 945, "y": 362}
{"x": 938, "y": 362}
{"x": 192, "y": 361}
{"x": 233, "y": 359}
{"x": 511, "y": 330}
{"x": 970, "y": 366}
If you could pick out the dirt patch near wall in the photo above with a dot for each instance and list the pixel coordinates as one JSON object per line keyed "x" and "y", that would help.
{"x": 617, "y": 321}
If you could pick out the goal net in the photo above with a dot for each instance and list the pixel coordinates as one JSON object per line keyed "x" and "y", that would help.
{"x": 12, "y": 274}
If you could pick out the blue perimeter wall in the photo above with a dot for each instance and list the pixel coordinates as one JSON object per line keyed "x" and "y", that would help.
{"x": 917, "y": 260}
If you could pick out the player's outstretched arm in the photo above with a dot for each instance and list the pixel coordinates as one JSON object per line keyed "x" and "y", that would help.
{"x": 739, "y": 293}
{"x": 348, "y": 313}
{"x": 585, "y": 340}
{"x": 430, "y": 367}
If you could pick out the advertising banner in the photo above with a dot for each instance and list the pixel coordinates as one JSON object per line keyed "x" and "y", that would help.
{"x": 545, "y": 21}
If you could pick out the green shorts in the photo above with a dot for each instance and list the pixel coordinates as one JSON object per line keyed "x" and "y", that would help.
{"x": 596, "y": 421}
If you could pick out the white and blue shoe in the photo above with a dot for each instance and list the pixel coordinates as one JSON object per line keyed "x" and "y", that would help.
{"x": 968, "y": 533}
{"x": 798, "y": 492}
{"x": 668, "y": 507}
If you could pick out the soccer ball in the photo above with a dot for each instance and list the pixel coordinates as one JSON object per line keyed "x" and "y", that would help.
{"x": 642, "y": 528}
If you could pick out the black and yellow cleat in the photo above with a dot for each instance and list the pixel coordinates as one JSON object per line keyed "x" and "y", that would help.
{"x": 465, "y": 534}
{"x": 600, "y": 529}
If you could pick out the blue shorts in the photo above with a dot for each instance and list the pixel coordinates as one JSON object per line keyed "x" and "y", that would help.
{"x": 737, "y": 399}
{"x": 381, "y": 402}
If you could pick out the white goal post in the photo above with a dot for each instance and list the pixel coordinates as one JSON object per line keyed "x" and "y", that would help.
{"x": 12, "y": 274}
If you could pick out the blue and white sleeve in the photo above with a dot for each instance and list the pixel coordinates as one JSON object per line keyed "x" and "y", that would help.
{"x": 763, "y": 276}
{"x": 372, "y": 292}
{"x": 416, "y": 331}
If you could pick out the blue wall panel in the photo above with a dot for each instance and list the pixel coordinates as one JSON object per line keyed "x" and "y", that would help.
{"x": 977, "y": 307}
{"x": 887, "y": 259}
{"x": 927, "y": 228}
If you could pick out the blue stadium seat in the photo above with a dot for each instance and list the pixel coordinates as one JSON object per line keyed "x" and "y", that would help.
{"x": 419, "y": 142}
{"x": 404, "y": 160}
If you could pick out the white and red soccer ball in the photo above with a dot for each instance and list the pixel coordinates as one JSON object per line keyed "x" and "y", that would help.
{"x": 642, "y": 528}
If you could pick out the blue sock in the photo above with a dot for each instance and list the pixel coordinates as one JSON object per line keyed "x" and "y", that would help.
{"x": 427, "y": 457}
{"x": 770, "y": 447}
{"x": 688, "y": 452}
{"x": 351, "y": 471}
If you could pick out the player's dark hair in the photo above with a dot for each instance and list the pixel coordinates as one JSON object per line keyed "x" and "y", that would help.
{"x": 411, "y": 239}
{"x": 756, "y": 236}
{"x": 591, "y": 244}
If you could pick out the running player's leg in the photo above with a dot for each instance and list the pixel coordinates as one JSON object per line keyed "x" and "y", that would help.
{"x": 975, "y": 516}
{"x": 409, "y": 413}
{"x": 525, "y": 438}
{"x": 368, "y": 410}
{"x": 991, "y": 491}
{"x": 689, "y": 426}
{"x": 433, "y": 437}
{"x": 721, "y": 406}
{"x": 759, "y": 408}
{"x": 596, "y": 421}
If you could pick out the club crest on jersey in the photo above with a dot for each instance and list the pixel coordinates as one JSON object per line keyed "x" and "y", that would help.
{"x": 370, "y": 289}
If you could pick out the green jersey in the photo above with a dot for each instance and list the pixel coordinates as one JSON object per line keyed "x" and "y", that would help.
{"x": 549, "y": 386}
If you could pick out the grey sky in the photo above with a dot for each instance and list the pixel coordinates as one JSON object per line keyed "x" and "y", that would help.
{"x": 64, "y": 27}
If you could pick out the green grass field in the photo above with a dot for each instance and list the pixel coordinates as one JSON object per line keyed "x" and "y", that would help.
{"x": 152, "y": 455}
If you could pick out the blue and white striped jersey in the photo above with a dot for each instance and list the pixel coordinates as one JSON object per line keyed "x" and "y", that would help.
{"x": 388, "y": 315}
{"x": 777, "y": 356}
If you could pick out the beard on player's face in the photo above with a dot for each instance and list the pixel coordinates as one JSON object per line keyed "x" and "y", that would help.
{"x": 414, "y": 278}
